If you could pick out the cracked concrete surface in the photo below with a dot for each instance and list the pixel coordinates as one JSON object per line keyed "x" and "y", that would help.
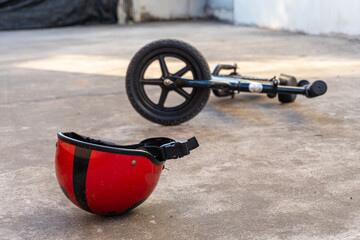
{"x": 263, "y": 171}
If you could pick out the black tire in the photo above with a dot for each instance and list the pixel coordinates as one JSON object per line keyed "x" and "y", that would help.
{"x": 287, "y": 81}
{"x": 194, "y": 101}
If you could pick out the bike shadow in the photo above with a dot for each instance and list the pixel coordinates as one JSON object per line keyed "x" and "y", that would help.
{"x": 258, "y": 110}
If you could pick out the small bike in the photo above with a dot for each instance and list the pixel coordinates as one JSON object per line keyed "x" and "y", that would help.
{"x": 168, "y": 82}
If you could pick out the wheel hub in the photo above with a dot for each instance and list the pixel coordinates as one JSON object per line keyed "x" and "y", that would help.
{"x": 167, "y": 82}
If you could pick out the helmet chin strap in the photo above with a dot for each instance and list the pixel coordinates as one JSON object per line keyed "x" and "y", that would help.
{"x": 176, "y": 149}
{"x": 161, "y": 148}
{"x": 170, "y": 149}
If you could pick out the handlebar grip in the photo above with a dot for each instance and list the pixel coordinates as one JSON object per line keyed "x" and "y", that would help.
{"x": 317, "y": 88}
{"x": 302, "y": 83}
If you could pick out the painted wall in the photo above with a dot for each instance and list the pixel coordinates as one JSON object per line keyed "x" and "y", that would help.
{"x": 145, "y": 10}
{"x": 220, "y": 9}
{"x": 309, "y": 16}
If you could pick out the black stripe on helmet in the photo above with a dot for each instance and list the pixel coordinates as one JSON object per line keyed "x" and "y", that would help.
{"x": 80, "y": 167}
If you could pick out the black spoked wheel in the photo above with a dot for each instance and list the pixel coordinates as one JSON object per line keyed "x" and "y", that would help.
{"x": 154, "y": 95}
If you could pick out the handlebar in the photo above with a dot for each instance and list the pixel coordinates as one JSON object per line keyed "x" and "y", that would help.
{"x": 315, "y": 89}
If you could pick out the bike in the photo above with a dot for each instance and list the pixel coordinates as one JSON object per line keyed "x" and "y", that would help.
{"x": 191, "y": 81}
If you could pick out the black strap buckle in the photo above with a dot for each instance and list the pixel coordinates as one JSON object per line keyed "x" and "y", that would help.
{"x": 176, "y": 149}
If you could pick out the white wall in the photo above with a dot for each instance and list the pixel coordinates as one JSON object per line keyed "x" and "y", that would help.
{"x": 145, "y": 10}
{"x": 309, "y": 16}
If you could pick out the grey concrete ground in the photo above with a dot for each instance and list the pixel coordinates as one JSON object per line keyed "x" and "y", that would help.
{"x": 263, "y": 171}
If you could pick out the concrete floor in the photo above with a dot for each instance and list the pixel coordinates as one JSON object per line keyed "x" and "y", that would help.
{"x": 263, "y": 170}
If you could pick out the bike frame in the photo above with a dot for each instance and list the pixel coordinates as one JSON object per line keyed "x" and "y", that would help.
{"x": 236, "y": 82}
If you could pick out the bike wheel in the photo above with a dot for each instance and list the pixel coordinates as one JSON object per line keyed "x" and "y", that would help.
{"x": 154, "y": 95}
{"x": 287, "y": 81}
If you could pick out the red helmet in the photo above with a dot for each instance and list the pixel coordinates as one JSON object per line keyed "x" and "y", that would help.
{"x": 108, "y": 179}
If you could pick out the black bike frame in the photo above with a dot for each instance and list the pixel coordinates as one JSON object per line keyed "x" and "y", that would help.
{"x": 235, "y": 82}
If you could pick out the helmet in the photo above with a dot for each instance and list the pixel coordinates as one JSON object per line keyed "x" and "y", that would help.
{"x": 108, "y": 179}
